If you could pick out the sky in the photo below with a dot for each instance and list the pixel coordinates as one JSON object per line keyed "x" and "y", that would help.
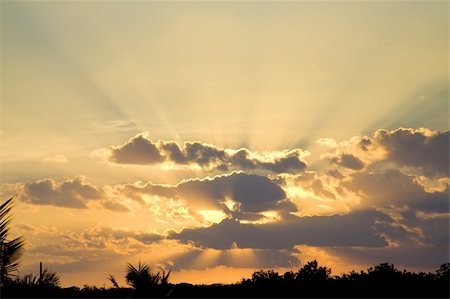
{"x": 220, "y": 138}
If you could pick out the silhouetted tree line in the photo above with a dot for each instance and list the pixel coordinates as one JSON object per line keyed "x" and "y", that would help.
{"x": 312, "y": 280}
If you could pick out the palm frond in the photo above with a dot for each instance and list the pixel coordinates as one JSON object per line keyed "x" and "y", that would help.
{"x": 165, "y": 276}
{"x": 49, "y": 278}
{"x": 11, "y": 251}
{"x": 113, "y": 281}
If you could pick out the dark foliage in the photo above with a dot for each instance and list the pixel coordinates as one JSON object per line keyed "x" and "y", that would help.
{"x": 312, "y": 280}
{"x": 143, "y": 281}
{"x": 11, "y": 250}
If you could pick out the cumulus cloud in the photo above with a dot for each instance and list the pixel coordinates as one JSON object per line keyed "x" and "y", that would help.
{"x": 421, "y": 149}
{"x": 240, "y": 195}
{"x": 356, "y": 229}
{"x": 140, "y": 150}
{"x": 71, "y": 193}
{"x": 418, "y": 217}
{"x": 393, "y": 188}
{"x": 348, "y": 161}
{"x": 317, "y": 194}
{"x": 380, "y": 196}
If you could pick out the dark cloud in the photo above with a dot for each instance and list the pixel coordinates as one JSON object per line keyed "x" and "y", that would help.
{"x": 393, "y": 188}
{"x": 416, "y": 151}
{"x": 348, "y": 161}
{"x": 72, "y": 193}
{"x": 252, "y": 194}
{"x": 140, "y": 150}
{"x": 420, "y": 217}
{"x": 433, "y": 202}
{"x": 173, "y": 152}
{"x": 355, "y": 229}
{"x": 203, "y": 154}
{"x": 417, "y": 148}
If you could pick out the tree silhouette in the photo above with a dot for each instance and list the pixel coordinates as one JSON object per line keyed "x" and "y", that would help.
{"x": 144, "y": 281}
{"x": 113, "y": 281}
{"x": 140, "y": 278}
{"x": 11, "y": 251}
{"x": 46, "y": 279}
{"x": 311, "y": 272}
{"x": 310, "y": 281}
{"x": 443, "y": 272}
{"x": 165, "y": 277}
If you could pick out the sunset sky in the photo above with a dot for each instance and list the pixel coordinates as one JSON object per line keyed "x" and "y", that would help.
{"x": 219, "y": 138}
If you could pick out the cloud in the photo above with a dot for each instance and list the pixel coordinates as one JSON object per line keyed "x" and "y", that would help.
{"x": 115, "y": 206}
{"x": 355, "y": 229}
{"x": 240, "y": 195}
{"x": 56, "y": 158}
{"x": 418, "y": 217}
{"x": 140, "y": 150}
{"x": 378, "y": 196}
{"x": 393, "y": 188}
{"x": 420, "y": 148}
{"x": 107, "y": 235}
{"x": 235, "y": 257}
{"x": 348, "y": 161}
{"x": 92, "y": 240}
{"x": 253, "y": 193}
{"x": 71, "y": 193}
{"x": 317, "y": 194}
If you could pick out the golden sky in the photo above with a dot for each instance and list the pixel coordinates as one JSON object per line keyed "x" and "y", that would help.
{"x": 219, "y": 138}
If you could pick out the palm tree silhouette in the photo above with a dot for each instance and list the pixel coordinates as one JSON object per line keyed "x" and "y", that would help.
{"x": 141, "y": 278}
{"x": 11, "y": 251}
{"x": 45, "y": 279}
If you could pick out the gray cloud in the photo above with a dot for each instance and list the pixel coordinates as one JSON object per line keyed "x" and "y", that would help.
{"x": 72, "y": 193}
{"x": 140, "y": 150}
{"x": 418, "y": 148}
{"x": 393, "y": 188}
{"x": 106, "y": 233}
{"x": 418, "y": 151}
{"x": 253, "y": 194}
{"x": 420, "y": 217}
{"x": 348, "y": 161}
{"x": 355, "y": 229}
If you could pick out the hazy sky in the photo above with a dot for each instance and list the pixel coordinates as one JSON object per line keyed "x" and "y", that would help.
{"x": 218, "y": 138}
